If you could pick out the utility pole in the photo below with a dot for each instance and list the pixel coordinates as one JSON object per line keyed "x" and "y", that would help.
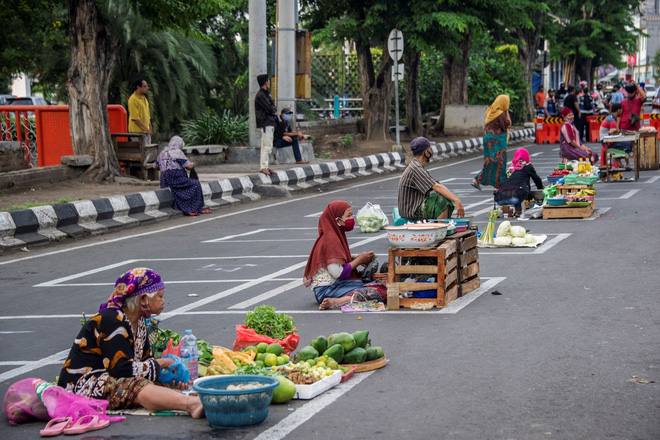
{"x": 257, "y": 60}
{"x": 286, "y": 54}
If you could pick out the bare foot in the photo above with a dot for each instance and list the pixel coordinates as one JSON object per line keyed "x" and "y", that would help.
{"x": 265, "y": 171}
{"x": 196, "y": 409}
{"x": 329, "y": 303}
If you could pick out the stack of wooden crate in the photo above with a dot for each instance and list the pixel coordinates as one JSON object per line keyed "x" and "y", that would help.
{"x": 456, "y": 270}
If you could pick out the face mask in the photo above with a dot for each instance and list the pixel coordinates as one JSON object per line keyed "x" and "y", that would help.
{"x": 287, "y": 117}
{"x": 146, "y": 311}
{"x": 349, "y": 224}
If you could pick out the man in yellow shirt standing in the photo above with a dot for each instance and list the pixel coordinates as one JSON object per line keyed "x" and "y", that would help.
{"x": 139, "y": 118}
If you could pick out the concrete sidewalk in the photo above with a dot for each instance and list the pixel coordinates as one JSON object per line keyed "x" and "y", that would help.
{"x": 222, "y": 184}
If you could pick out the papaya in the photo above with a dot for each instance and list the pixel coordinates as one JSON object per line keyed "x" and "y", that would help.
{"x": 335, "y": 352}
{"x": 361, "y": 338}
{"x": 307, "y": 353}
{"x": 355, "y": 356}
{"x": 344, "y": 339}
{"x": 374, "y": 353}
{"x": 320, "y": 343}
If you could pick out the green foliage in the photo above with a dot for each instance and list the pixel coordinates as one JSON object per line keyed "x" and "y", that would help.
{"x": 347, "y": 141}
{"x": 265, "y": 321}
{"x": 430, "y": 80}
{"x": 211, "y": 128}
{"x": 656, "y": 63}
{"x": 495, "y": 70}
{"x": 35, "y": 204}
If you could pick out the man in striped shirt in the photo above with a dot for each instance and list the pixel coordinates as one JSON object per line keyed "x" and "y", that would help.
{"x": 420, "y": 195}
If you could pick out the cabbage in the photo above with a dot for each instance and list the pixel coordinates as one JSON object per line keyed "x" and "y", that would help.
{"x": 529, "y": 239}
{"x": 504, "y": 228}
{"x": 502, "y": 240}
{"x": 518, "y": 241}
{"x": 518, "y": 231}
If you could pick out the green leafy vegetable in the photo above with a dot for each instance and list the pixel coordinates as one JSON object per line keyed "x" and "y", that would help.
{"x": 265, "y": 321}
{"x": 253, "y": 369}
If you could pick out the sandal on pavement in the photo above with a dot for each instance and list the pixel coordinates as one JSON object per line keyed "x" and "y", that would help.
{"x": 56, "y": 426}
{"x": 192, "y": 214}
{"x": 206, "y": 211}
{"x": 272, "y": 171}
{"x": 302, "y": 162}
{"x": 85, "y": 424}
{"x": 476, "y": 185}
{"x": 265, "y": 171}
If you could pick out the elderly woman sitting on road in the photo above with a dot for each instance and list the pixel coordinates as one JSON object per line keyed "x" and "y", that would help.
{"x": 111, "y": 357}
{"x": 187, "y": 192}
{"x": 331, "y": 269}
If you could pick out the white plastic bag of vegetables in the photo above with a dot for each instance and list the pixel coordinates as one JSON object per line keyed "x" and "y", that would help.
{"x": 371, "y": 218}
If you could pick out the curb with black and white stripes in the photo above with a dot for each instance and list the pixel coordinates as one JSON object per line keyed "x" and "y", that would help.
{"x": 43, "y": 224}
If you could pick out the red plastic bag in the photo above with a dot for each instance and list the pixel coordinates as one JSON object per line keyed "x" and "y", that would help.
{"x": 22, "y": 404}
{"x": 247, "y": 336}
{"x": 176, "y": 351}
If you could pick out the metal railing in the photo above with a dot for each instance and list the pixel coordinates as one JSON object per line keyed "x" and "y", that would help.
{"x": 340, "y": 108}
{"x": 18, "y": 124}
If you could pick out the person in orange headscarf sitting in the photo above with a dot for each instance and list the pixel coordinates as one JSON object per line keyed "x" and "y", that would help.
{"x": 496, "y": 136}
{"x": 331, "y": 270}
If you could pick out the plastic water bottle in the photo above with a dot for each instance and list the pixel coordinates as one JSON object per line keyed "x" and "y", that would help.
{"x": 189, "y": 354}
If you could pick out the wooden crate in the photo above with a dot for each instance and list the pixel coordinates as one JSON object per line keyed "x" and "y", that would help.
{"x": 445, "y": 271}
{"x": 648, "y": 151}
{"x": 567, "y": 190}
{"x": 565, "y": 211}
{"x": 467, "y": 260}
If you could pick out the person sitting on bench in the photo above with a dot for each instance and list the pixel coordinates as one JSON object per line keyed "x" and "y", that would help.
{"x": 610, "y": 126}
{"x": 285, "y": 137}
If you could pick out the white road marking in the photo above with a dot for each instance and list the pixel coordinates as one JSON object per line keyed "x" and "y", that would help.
{"x": 12, "y": 363}
{"x": 314, "y": 215}
{"x": 541, "y": 249}
{"x": 56, "y": 358}
{"x": 652, "y": 179}
{"x": 537, "y": 154}
{"x": 486, "y": 283}
{"x": 198, "y": 221}
{"x": 310, "y": 409}
{"x": 630, "y": 193}
{"x": 16, "y": 332}
{"x": 267, "y": 295}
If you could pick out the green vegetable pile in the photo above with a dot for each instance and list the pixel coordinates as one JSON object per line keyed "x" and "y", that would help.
{"x": 264, "y": 321}
{"x": 204, "y": 350}
{"x": 255, "y": 370}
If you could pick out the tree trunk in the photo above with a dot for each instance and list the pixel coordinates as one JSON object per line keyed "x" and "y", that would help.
{"x": 376, "y": 92}
{"x": 530, "y": 43}
{"x": 455, "y": 79}
{"x": 413, "y": 103}
{"x": 585, "y": 70}
{"x": 569, "y": 71}
{"x": 93, "y": 56}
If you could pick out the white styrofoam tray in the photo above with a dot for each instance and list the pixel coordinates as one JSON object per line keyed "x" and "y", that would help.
{"x": 307, "y": 392}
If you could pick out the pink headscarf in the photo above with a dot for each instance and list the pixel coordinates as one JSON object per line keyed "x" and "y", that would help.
{"x": 520, "y": 159}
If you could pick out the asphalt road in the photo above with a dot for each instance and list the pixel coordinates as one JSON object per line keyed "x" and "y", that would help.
{"x": 556, "y": 356}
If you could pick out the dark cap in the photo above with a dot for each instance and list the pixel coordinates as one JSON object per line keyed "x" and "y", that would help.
{"x": 420, "y": 144}
{"x": 631, "y": 88}
{"x": 286, "y": 111}
{"x": 261, "y": 79}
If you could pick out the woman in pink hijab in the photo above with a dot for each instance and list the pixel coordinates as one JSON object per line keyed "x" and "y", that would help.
{"x": 516, "y": 188}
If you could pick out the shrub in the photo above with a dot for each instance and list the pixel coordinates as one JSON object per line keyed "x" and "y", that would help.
{"x": 211, "y": 128}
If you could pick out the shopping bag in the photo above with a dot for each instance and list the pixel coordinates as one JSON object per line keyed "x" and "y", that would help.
{"x": 371, "y": 218}
{"x": 247, "y": 336}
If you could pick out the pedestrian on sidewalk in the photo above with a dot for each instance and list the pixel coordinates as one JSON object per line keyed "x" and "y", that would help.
{"x": 139, "y": 117}
{"x": 266, "y": 115}
{"x": 186, "y": 192}
{"x": 285, "y": 137}
{"x": 496, "y": 136}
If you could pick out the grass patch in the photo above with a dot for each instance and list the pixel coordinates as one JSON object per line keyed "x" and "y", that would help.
{"x": 35, "y": 204}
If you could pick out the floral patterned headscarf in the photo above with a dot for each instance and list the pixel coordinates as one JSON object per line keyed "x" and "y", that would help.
{"x": 135, "y": 282}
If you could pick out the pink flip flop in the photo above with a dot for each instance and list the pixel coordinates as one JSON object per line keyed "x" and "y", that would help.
{"x": 85, "y": 424}
{"x": 56, "y": 426}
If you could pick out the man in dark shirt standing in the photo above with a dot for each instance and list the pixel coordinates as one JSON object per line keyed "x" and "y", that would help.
{"x": 285, "y": 137}
{"x": 571, "y": 102}
{"x": 266, "y": 116}
{"x": 422, "y": 197}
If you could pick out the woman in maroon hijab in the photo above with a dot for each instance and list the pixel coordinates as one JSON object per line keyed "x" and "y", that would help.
{"x": 331, "y": 270}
